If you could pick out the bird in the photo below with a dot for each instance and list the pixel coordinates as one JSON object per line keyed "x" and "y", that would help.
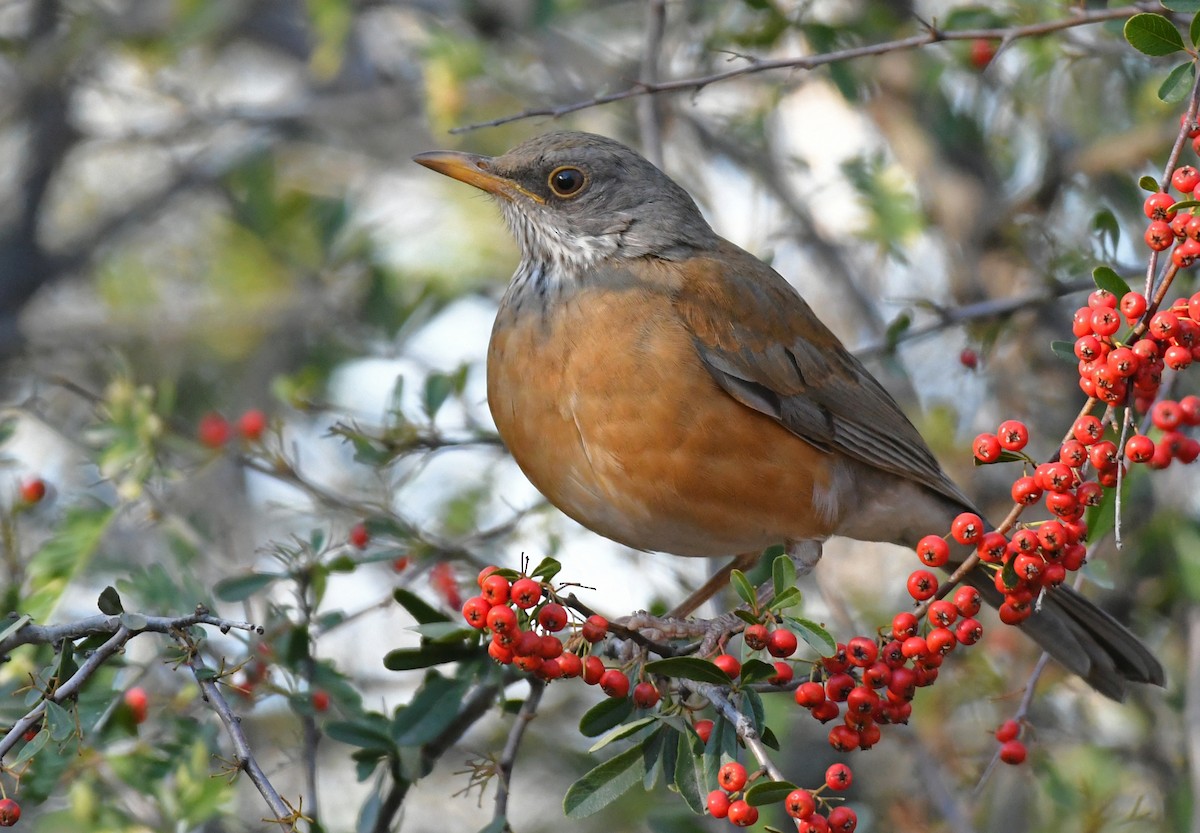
{"x": 673, "y": 393}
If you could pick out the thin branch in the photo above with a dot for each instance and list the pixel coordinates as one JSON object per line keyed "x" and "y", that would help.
{"x": 508, "y": 757}
{"x": 754, "y": 65}
{"x": 31, "y": 634}
{"x": 742, "y": 724}
{"x": 243, "y": 755}
{"x": 649, "y": 114}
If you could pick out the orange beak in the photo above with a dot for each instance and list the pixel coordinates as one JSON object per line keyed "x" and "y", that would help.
{"x": 473, "y": 170}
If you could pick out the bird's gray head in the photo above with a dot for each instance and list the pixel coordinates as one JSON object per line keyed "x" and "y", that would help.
{"x": 573, "y": 199}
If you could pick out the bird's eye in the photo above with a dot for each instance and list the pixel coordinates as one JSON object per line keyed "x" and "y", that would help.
{"x": 567, "y": 181}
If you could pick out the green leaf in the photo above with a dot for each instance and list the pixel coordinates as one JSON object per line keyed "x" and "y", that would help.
{"x": 499, "y": 825}
{"x": 1004, "y": 457}
{"x": 109, "y": 602}
{"x": 746, "y": 616}
{"x": 444, "y": 632}
{"x": 755, "y": 670}
{"x": 622, "y": 732}
{"x": 59, "y": 721}
{"x": 769, "y": 739}
{"x": 788, "y": 598}
{"x": 1008, "y": 573}
{"x": 896, "y": 329}
{"x": 1064, "y": 350}
{"x": 23, "y": 620}
{"x": 1194, "y": 29}
{"x": 546, "y": 569}
{"x": 1105, "y": 224}
{"x": 688, "y": 773}
{"x": 1182, "y": 6}
{"x": 783, "y": 575}
{"x": 1148, "y": 183}
{"x": 1178, "y": 83}
{"x": 768, "y": 792}
{"x": 652, "y": 757}
{"x": 1109, "y": 280}
{"x": 240, "y": 588}
{"x": 1185, "y": 204}
{"x": 406, "y": 659}
{"x": 743, "y": 587}
{"x": 133, "y": 621}
{"x": 63, "y": 557}
{"x": 816, "y": 636}
{"x": 360, "y": 733}
{"x": 605, "y": 784}
{"x": 418, "y": 608}
{"x": 434, "y": 707}
{"x": 1103, "y": 518}
{"x": 688, "y": 668}
{"x": 1152, "y": 34}
{"x": 32, "y": 748}
{"x": 604, "y": 715}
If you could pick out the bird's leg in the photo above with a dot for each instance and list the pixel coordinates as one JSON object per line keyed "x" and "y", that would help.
{"x": 804, "y": 554}
{"x": 714, "y": 585}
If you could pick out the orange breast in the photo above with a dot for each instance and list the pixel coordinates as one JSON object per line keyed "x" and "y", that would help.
{"x": 605, "y": 407}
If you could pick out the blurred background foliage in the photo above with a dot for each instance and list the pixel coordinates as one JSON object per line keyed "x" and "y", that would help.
{"x": 208, "y": 205}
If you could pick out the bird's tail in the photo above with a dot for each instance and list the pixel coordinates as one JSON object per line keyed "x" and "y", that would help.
{"x": 1083, "y": 638}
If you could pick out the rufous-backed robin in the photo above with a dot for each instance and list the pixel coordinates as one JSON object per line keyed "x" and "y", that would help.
{"x": 672, "y": 392}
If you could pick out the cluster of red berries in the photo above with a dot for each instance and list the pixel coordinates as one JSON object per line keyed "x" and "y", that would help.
{"x": 524, "y": 622}
{"x": 728, "y": 801}
{"x": 214, "y": 431}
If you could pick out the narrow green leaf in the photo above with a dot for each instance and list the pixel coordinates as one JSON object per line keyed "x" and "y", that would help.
{"x": 1182, "y": 6}
{"x": 439, "y": 386}
{"x": 896, "y": 329}
{"x": 1178, "y": 83}
{"x": 604, "y": 784}
{"x": 359, "y": 733}
{"x": 689, "y": 774}
{"x": 783, "y": 575}
{"x": 1103, "y": 518}
{"x": 752, "y": 706}
{"x": 768, "y": 792}
{"x": 1194, "y": 29}
{"x": 498, "y": 825}
{"x": 109, "y": 602}
{"x": 688, "y": 668}
{"x": 433, "y": 708}
{"x": 622, "y": 732}
{"x": 1064, "y": 350}
{"x": 1108, "y": 279}
{"x": 418, "y": 608}
{"x": 59, "y": 721}
{"x": 755, "y": 671}
{"x": 746, "y": 616}
{"x": 769, "y": 739}
{"x": 23, "y": 620}
{"x": 1004, "y": 457}
{"x": 1148, "y": 183}
{"x": 604, "y": 715}
{"x": 1183, "y": 205}
{"x": 722, "y": 733}
{"x": 788, "y": 598}
{"x": 32, "y": 748}
{"x": 743, "y": 587}
{"x": 445, "y": 632}
{"x": 652, "y": 757}
{"x": 1152, "y": 34}
{"x": 816, "y": 636}
{"x": 406, "y": 659}
{"x": 240, "y": 588}
{"x": 546, "y": 569}
{"x": 1008, "y": 573}
{"x": 1105, "y": 224}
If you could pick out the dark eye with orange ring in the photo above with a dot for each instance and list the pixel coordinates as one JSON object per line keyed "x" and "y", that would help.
{"x": 567, "y": 182}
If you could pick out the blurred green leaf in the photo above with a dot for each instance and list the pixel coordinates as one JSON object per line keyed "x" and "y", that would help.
{"x": 240, "y": 588}
{"x": 604, "y": 715}
{"x": 418, "y": 608}
{"x": 605, "y": 784}
{"x": 1064, "y": 350}
{"x": 434, "y": 707}
{"x": 688, "y": 668}
{"x": 622, "y": 732}
{"x": 64, "y": 556}
{"x": 408, "y": 659}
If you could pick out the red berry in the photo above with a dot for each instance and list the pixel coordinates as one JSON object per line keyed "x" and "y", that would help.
{"x": 968, "y": 631}
{"x": 1105, "y": 321}
{"x": 842, "y": 820}
{"x": 922, "y": 585}
{"x": 810, "y": 694}
{"x": 783, "y": 674}
{"x": 704, "y": 730}
{"x": 800, "y": 804}
{"x": 862, "y": 651}
{"x": 571, "y": 664}
{"x": 1012, "y": 752}
{"x": 1158, "y": 206}
{"x": 359, "y": 537}
{"x": 742, "y": 814}
{"x": 967, "y": 600}
{"x": 968, "y": 358}
{"x": 10, "y": 812}
{"x": 731, "y": 776}
{"x": 33, "y": 490}
{"x": 593, "y": 670}
{"x": 614, "y": 684}
{"x": 495, "y": 589}
{"x": 982, "y": 52}
{"x": 594, "y": 628}
{"x": 526, "y": 593}
{"x": 718, "y": 804}
{"x": 501, "y": 619}
{"x": 251, "y": 424}
{"x": 941, "y": 641}
{"x": 552, "y": 617}
{"x": 1177, "y": 357}
{"x": 967, "y": 528}
{"x": 645, "y": 695}
{"x": 1158, "y": 237}
{"x": 1133, "y": 304}
{"x": 986, "y": 448}
{"x": 729, "y": 664}
{"x": 213, "y": 430}
{"x": 1166, "y": 414}
{"x": 1185, "y": 178}
{"x": 1013, "y": 435}
{"x": 549, "y": 647}
{"x": 839, "y": 686}
{"x": 1008, "y": 730}
{"x": 843, "y": 738}
{"x": 838, "y": 777}
{"x": 320, "y": 700}
{"x": 1139, "y": 448}
{"x": 781, "y": 643}
{"x": 137, "y": 701}
{"x": 755, "y": 636}
{"x": 904, "y": 625}
{"x": 942, "y": 613}
{"x": 1088, "y": 429}
{"x": 933, "y": 551}
{"x": 1026, "y": 491}
{"x": 475, "y": 611}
